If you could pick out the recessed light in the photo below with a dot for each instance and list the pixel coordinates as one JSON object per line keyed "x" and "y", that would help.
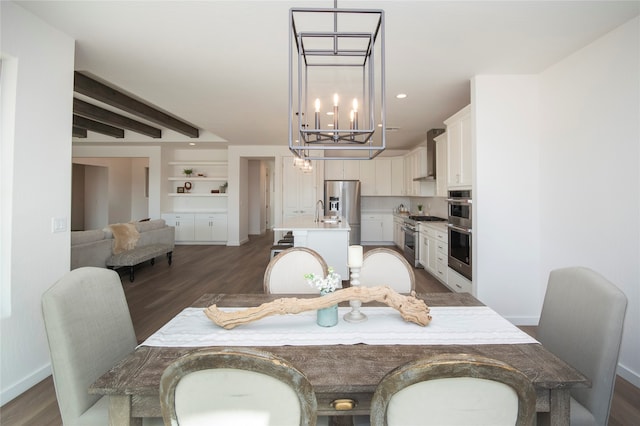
{"x": 192, "y": 143}
{"x": 329, "y": 112}
{"x": 401, "y": 95}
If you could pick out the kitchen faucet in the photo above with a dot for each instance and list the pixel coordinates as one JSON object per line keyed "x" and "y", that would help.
{"x": 317, "y": 219}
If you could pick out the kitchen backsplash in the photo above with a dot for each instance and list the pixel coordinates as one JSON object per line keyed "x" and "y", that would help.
{"x": 432, "y": 206}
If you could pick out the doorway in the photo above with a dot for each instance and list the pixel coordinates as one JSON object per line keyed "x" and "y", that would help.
{"x": 108, "y": 190}
{"x": 260, "y": 188}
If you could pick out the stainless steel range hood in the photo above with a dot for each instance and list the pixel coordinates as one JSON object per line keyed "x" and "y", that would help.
{"x": 431, "y": 156}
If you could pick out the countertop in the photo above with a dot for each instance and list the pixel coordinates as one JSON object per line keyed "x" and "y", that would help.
{"x": 438, "y": 226}
{"x": 307, "y": 224}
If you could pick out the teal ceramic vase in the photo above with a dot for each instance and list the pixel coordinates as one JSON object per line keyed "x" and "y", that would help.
{"x": 327, "y": 317}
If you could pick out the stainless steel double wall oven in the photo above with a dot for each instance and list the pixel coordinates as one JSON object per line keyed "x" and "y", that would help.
{"x": 460, "y": 232}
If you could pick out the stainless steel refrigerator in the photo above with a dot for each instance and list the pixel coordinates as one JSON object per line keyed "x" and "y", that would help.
{"x": 342, "y": 198}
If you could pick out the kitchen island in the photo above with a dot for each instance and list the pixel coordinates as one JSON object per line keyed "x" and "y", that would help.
{"x": 330, "y": 239}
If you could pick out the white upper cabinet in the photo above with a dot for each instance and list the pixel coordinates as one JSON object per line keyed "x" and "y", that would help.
{"x": 383, "y": 176}
{"x": 441, "y": 165}
{"x": 333, "y": 169}
{"x": 351, "y": 169}
{"x": 459, "y": 149}
{"x": 368, "y": 177}
{"x": 397, "y": 176}
{"x": 342, "y": 169}
{"x": 375, "y": 177}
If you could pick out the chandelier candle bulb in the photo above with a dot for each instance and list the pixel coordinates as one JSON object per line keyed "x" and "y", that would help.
{"x": 355, "y": 257}
{"x": 351, "y": 116}
{"x": 335, "y": 115}
{"x": 355, "y": 114}
{"x": 317, "y": 116}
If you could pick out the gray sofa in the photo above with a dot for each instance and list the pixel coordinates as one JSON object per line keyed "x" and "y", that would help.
{"x": 95, "y": 247}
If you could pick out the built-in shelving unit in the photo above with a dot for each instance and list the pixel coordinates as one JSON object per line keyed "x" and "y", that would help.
{"x": 214, "y": 175}
{"x": 198, "y": 213}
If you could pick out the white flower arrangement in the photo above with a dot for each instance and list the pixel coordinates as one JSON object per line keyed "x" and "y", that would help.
{"x": 326, "y": 285}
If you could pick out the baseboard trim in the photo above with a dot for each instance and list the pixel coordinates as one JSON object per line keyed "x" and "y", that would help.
{"x": 531, "y": 320}
{"x": 629, "y": 375}
{"x": 25, "y": 384}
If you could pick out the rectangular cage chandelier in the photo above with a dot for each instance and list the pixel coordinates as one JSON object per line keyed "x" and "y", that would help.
{"x": 336, "y": 83}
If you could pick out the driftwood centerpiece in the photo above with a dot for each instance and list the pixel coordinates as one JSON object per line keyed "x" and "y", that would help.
{"x": 411, "y": 308}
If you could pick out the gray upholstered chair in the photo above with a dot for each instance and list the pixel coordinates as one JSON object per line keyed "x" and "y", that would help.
{"x": 89, "y": 329}
{"x": 235, "y": 387}
{"x": 581, "y": 323}
{"x": 285, "y": 272}
{"x": 384, "y": 266}
{"x": 454, "y": 389}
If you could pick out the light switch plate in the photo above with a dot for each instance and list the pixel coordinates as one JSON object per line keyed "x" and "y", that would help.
{"x": 58, "y": 224}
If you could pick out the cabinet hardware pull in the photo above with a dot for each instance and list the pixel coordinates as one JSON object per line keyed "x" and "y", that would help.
{"x": 344, "y": 404}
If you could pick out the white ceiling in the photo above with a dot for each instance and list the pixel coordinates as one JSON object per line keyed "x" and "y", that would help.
{"x": 223, "y": 65}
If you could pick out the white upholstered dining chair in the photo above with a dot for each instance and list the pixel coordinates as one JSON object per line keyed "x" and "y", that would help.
{"x": 89, "y": 330}
{"x": 454, "y": 389}
{"x": 235, "y": 387}
{"x": 384, "y": 266}
{"x": 581, "y": 322}
{"x": 285, "y": 272}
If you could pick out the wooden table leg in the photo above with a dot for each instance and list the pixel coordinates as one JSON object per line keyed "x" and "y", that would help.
{"x": 120, "y": 411}
{"x": 559, "y": 406}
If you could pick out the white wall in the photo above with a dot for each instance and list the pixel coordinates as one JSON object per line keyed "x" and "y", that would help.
{"x": 566, "y": 180}
{"x": 506, "y": 223}
{"x": 139, "y": 199}
{"x": 42, "y": 191}
{"x": 154, "y": 155}
{"x": 590, "y": 170}
{"x": 95, "y": 209}
{"x": 256, "y": 187}
{"x": 124, "y": 193}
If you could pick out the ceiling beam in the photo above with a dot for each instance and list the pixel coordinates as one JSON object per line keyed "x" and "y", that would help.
{"x": 96, "y": 90}
{"x": 102, "y": 115}
{"x": 95, "y": 126}
{"x": 78, "y": 132}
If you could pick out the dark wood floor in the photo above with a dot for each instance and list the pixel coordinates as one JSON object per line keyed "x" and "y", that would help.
{"x": 159, "y": 292}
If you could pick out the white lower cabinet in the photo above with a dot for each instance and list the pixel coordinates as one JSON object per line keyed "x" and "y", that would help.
{"x": 210, "y": 227}
{"x": 442, "y": 259}
{"x": 423, "y": 250}
{"x": 434, "y": 251}
{"x": 377, "y": 228}
{"x": 458, "y": 283}
{"x": 371, "y": 228}
{"x": 198, "y": 228}
{"x": 184, "y": 225}
{"x": 398, "y": 233}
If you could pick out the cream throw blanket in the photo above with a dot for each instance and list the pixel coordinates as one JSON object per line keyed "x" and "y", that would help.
{"x": 125, "y": 237}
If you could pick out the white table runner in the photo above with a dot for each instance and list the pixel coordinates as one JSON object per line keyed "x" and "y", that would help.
{"x": 450, "y": 326}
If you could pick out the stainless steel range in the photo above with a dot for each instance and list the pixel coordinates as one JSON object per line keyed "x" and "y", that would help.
{"x": 411, "y": 247}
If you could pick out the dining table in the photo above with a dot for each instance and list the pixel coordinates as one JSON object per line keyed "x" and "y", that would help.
{"x": 345, "y": 362}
